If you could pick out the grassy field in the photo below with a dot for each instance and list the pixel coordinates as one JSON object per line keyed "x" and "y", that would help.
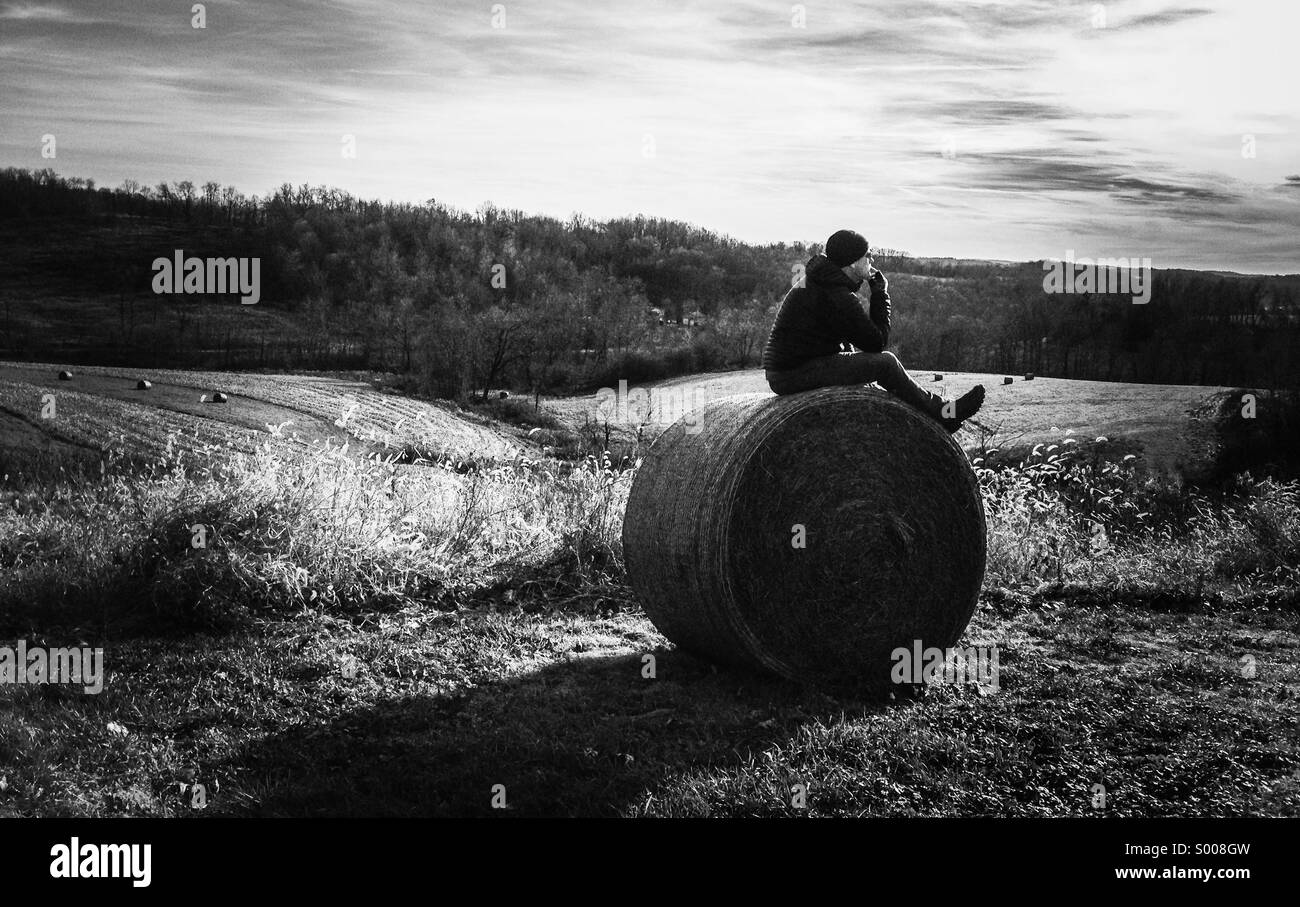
{"x": 360, "y": 637}
{"x": 1152, "y": 418}
{"x": 102, "y": 409}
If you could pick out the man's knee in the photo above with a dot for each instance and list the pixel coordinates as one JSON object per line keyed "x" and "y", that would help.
{"x": 883, "y": 368}
{"x": 882, "y": 363}
{"x": 779, "y": 383}
{"x": 893, "y": 367}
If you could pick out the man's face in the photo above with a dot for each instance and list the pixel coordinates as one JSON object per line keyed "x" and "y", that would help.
{"x": 862, "y": 267}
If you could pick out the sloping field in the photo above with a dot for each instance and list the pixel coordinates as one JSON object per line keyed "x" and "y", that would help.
{"x": 101, "y": 408}
{"x": 1154, "y": 416}
{"x": 94, "y": 423}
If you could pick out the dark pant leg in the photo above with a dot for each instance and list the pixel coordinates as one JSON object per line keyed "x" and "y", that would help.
{"x": 857, "y": 368}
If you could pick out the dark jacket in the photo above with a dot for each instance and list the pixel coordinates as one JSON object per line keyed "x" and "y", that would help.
{"x": 815, "y": 319}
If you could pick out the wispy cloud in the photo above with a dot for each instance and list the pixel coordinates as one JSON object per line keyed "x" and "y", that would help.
{"x": 1166, "y": 17}
{"x": 1046, "y": 170}
{"x": 34, "y": 12}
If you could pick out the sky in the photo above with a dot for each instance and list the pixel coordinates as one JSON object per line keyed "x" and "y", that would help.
{"x": 1004, "y": 130}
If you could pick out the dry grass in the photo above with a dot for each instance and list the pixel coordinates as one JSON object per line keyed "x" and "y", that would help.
{"x": 362, "y": 638}
{"x": 328, "y": 530}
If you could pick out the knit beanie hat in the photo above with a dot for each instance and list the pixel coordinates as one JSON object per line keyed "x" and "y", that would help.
{"x": 845, "y": 247}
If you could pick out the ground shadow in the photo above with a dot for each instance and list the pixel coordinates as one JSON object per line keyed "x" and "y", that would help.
{"x": 587, "y": 737}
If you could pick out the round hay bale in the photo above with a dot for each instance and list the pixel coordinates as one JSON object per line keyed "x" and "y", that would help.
{"x": 1007, "y": 379}
{"x": 504, "y": 395}
{"x": 219, "y": 397}
{"x": 65, "y": 376}
{"x": 143, "y": 385}
{"x": 810, "y": 535}
{"x": 1029, "y": 377}
{"x": 938, "y": 377}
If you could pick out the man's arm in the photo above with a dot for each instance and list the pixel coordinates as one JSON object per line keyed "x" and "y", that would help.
{"x": 852, "y": 322}
{"x": 880, "y": 307}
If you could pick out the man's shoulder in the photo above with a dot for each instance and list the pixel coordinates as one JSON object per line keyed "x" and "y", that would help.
{"x": 798, "y": 295}
{"x": 812, "y": 296}
{"x": 842, "y": 295}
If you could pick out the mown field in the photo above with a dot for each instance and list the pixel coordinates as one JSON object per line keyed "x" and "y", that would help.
{"x": 365, "y": 634}
{"x": 1150, "y": 419}
{"x": 102, "y": 409}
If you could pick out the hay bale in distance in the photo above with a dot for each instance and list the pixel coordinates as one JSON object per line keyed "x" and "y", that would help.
{"x": 143, "y": 385}
{"x": 504, "y": 395}
{"x": 938, "y": 377}
{"x": 1029, "y": 377}
{"x": 219, "y": 397}
{"x": 65, "y": 376}
{"x": 1007, "y": 379}
{"x": 891, "y": 548}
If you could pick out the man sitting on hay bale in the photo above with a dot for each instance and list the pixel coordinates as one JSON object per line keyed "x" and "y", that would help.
{"x": 816, "y": 319}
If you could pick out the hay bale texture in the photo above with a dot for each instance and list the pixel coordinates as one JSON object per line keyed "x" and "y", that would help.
{"x": 1029, "y": 376}
{"x": 1007, "y": 379}
{"x": 65, "y": 376}
{"x": 893, "y": 542}
{"x": 938, "y": 377}
{"x": 143, "y": 385}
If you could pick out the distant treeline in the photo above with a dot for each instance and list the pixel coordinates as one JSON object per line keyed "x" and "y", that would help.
{"x": 496, "y": 298}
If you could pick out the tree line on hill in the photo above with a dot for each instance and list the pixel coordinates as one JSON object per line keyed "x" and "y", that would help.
{"x": 463, "y": 301}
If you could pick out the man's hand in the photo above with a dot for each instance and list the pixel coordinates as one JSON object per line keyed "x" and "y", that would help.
{"x": 878, "y": 282}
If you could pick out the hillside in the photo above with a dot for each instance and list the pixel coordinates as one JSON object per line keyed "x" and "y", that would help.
{"x": 457, "y": 302}
{"x": 101, "y": 409}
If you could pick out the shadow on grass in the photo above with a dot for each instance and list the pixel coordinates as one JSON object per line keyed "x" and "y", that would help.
{"x": 588, "y": 737}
